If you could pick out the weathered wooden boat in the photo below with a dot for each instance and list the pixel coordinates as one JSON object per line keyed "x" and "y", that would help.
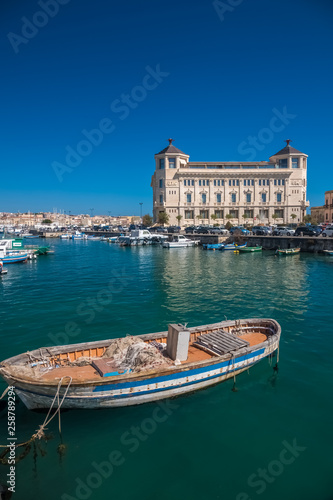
{"x": 287, "y": 251}
{"x": 152, "y": 367}
{"x": 250, "y": 249}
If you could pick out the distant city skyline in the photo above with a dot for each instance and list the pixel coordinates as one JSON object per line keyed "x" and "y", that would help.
{"x": 91, "y": 92}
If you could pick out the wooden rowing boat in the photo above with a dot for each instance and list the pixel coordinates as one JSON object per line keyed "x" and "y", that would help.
{"x": 86, "y": 376}
{"x": 250, "y": 249}
{"x": 288, "y": 251}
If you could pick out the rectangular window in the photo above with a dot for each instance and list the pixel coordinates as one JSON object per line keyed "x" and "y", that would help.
{"x": 161, "y": 183}
{"x": 185, "y": 183}
{"x": 192, "y": 183}
{"x": 244, "y": 183}
{"x": 283, "y": 163}
{"x": 263, "y": 182}
{"x": 233, "y": 183}
{"x": 199, "y": 182}
{"x": 215, "y": 183}
{"x": 207, "y": 183}
{"x": 203, "y": 182}
{"x": 189, "y": 214}
{"x": 162, "y": 163}
{"x": 267, "y": 182}
{"x": 248, "y": 197}
{"x": 172, "y": 162}
{"x": 188, "y": 198}
{"x": 263, "y": 197}
{"x": 282, "y": 182}
{"x": 203, "y": 214}
{"x": 233, "y": 198}
{"x": 279, "y": 182}
{"x": 279, "y": 213}
{"x": 249, "y": 182}
{"x": 218, "y": 183}
{"x": 275, "y": 182}
{"x": 219, "y": 214}
{"x": 203, "y": 198}
{"x": 252, "y": 182}
{"x": 161, "y": 198}
{"x": 229, "y": 183}
{"x": 259, "y": 182}
{"x": 218, "y": 198}
{"x": 294, "y": 163}
{"x": 234, "y": 214}
{"x": 248, "y": 214}
{"x": 278, "y": 197}
{"x": 237, "y": 182}
{"x": 222, "y": 183}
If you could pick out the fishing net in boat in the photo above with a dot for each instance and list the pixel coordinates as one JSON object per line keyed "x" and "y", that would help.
{"x": 131, "y": 353}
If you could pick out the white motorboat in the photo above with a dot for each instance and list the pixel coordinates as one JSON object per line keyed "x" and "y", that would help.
{"x": 179, "y": 241}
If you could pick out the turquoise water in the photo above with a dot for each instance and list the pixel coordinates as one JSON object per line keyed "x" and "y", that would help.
{"x": 270, "y": 440}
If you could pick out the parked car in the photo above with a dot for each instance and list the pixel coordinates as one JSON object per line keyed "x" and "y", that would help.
{"x": 203, "y": 230}
{"x": 160, "y": 229}
{"x": 218, "y": 230}
{"x": 173, "y": 229}
{"x": 308, "y": 231}
{"x": 261, "y": 230}
{"x": 239, "y": 230}
{"x": 328, "y": 231}
{"x": 191, "y": 229}
{"x": 283, "y": 231}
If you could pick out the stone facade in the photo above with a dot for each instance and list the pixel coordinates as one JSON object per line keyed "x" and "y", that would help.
{"x": 265, "y": 192}
{"x": 324, "y": 213}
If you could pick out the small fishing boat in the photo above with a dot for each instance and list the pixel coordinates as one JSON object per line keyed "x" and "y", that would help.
{"x": 179, "y": 241}
{"x": 139, "y": 369}
{"x": 287, "y": 251}
{"x": 250, "y": 249}
{"x": 212, "y": 246}
{"x": 13, "y": 257}
{"x": 66, "y": 236}
{"x": 328, "y": 252}
{"x": 232, "y": 246}
{"x": 30, "y": 236}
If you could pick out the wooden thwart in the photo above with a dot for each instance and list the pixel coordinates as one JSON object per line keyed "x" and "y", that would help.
{"x": 220, "y": 342}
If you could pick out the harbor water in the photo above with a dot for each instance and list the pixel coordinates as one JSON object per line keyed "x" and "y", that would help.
{"x": 270, "y": 439}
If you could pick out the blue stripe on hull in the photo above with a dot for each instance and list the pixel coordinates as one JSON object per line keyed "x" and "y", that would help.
{"x": 174, "y": 376}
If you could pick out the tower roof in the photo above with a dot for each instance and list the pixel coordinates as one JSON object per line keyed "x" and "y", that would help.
{"x": 171, "y": 149}
{"x": 287, "y": 150}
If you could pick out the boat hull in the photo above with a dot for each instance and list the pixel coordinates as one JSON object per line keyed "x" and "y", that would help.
{"x": 143, "y": 390}
{"x": 11, "y": 259}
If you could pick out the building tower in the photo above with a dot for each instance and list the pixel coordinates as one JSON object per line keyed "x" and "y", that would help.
{"x": 165, "y": 185}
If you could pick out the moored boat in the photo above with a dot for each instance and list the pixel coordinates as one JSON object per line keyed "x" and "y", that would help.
{"x": 2, "y": 270}
{"x": 232, "y": 246}
{"x": 328, "y": 252}
{"x": 212, "y": 246}
{"x": 139, "y": 369}
{"x": 287, "y": 251}
{"x": 179, "y": 241}
{"x": 250, "y": 249}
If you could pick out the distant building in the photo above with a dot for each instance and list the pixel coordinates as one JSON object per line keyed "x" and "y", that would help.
{"x": 324, "y": 213}
{"x": 255, "y": 192}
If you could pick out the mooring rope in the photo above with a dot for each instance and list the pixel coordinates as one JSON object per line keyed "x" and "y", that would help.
{"x": 4, "y": 392}
{"x": 40, "y": 432}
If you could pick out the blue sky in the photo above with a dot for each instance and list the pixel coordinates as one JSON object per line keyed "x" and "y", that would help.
{"x": 211, "y": 79}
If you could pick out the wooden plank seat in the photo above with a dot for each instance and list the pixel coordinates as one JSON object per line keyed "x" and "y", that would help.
{"x": 220, "y": 342}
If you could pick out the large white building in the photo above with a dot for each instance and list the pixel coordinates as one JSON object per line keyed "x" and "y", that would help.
{"x": 253, "y": 192}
